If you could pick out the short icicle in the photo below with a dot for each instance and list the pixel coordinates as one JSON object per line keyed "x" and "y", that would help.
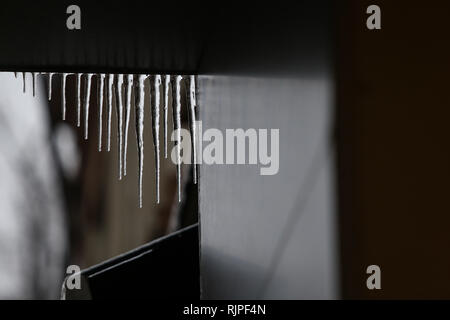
{"x": 139, "y": 106}
{"x": 87, "y": 96}
{"x": 24, "y": 81}
{"x": 128, "y": 92}
{"x": 50, "y": 76}
{"x": 33, "y": 74}
{"x": 119, "y": 108}
{"x": 109, "y": 94}
{"x": 176, "y": 106}
{"x": 63, "y": 94}
{"x": 100, "y": 86}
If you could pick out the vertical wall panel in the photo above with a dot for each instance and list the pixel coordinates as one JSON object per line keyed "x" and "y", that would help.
{"x": 270, "y": 236}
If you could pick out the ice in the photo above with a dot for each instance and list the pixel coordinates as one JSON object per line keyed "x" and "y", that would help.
{"x": 128, "y": 92}
{"x": 100, "y": 86}
{"x": 166, "y": 109}
{"x": 119, "y": 108}
{"x": 24, "y": 81}
{"x": 139, "y": 105}
{"x": 33, "y": 74}
{"x": 109, "y": 94}
{"x": 63, "y": 94}
{"x": 176, "y": 106}
{"x": 79, "y": 99}
{"x": 50, "y": 76}
{"x": 155, "y": 89}
{"x": 87, "y": 95}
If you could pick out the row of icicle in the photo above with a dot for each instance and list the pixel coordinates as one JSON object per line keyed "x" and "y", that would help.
{"x": 115, "y": 82}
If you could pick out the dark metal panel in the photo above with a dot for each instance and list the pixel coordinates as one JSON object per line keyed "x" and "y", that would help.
{"x": 130, "y": 36}
{"x": 179, "y": 37}
{"x": 165, "y": 268}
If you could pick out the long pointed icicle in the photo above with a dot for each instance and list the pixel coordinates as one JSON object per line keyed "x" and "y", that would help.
{"x": 166, "y": 110}
{"x": 139, "y": 106}
{"x": 63, "y": 94}
{"x": 119, "y": 108}
{"x": 15, "y": 74}
{"x": 87, "y": 96}
{"x": 192, "y": 105}
{"x": 33, "y": 74}
{"x": 100, "y": 86}
{"x": 79, "y": 99}
{"x": 155, "y": 89}
{"x": 128, "y": 91}
{"x": 24, "y": 81}
{"x": 109, "y": 94}
{"x": 50, "y": 76}
{"x": 176, "y": 106}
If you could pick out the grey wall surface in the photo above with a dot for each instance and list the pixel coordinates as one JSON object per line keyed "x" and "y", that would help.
{"x": 274, "y": 236}
{"x": 271, "y": 236}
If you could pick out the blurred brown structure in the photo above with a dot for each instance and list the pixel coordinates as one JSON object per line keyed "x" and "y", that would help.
{"x": 393, "y": 148}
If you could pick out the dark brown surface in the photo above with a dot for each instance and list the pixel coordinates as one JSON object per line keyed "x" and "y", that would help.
{"x": 393, "y": 148}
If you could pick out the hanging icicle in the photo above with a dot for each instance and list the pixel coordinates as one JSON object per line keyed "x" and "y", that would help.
{"x": 155, "y": 93}
{"x": 176, "y": 107}
{"x": 119, "y": 108}
{"x": 109, "y": 94}
{"x": 79, "y": 99}
{"x": 166, "y": 110}
{"x": 100, "y": 86}
{"x": 63, "y": 94}
{"x": 139, "y": 106}
{"x": 33, "y": 74}
{"x": 192, "y": 130}
{"x": 128, "y": 92}
{"x": 87, "y": 95}
{"x": 24, "y": 78}
{"x": 50, "y": 76}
